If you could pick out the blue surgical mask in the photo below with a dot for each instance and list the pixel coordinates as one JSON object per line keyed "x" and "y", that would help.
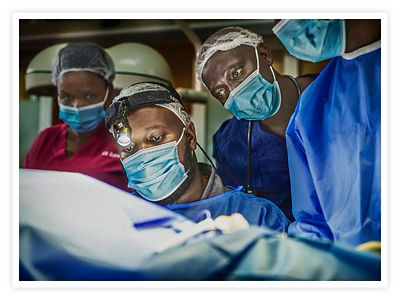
{"x": 85, "y": 118}
{"x": 255, "y": 98}
{"x": 156, "y": 172}
{"x": 312, "y": 40}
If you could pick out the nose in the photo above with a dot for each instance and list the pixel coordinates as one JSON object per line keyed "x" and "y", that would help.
{"x": 72, "y": 101}
{"x": 79, "y": 103}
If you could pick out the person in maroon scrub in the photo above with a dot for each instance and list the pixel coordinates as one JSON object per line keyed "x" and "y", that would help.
{"x": 83, "y": 75}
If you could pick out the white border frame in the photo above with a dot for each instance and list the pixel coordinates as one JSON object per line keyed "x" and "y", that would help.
{"x": 198, "y": 284}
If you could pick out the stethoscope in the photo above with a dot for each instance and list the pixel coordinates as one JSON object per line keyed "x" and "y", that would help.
{"x": 249, "y": 138}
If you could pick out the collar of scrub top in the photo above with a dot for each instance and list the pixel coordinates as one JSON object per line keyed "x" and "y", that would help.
{"x": 140, "y": 99}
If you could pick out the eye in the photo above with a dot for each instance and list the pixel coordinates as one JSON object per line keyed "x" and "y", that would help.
{"x": 90, "y": 96}
{"x": 220, "y": 93}
{"x": 156, "y": 138}
{"x": 129, "y": 150}
{"x": 237, "y": 73}
{"x": 125, "y": 152}
{"x": 65, "y": 98}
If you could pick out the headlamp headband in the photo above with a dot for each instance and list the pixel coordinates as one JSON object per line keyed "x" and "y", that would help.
{"x": 123, "y": 105}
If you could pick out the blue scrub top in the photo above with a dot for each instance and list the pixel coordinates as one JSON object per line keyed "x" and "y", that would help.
{"x": 333, "y": 141}
{"x": 269, "y": 164}
{"x": 257, "y": 211}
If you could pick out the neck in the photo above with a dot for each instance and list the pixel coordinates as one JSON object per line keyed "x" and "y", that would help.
{"x": 75, "y": 140}
{"x": 360, "y": 33}
{"x": 278, "y": 123}
{"x": 196, "y": 189}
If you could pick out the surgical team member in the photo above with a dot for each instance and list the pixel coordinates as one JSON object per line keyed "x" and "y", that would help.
{"x": 156, "y": 142}
{"x": 236, "y": 66}
{"x": 83, "y": 75}
{"x": 334, "y": 138}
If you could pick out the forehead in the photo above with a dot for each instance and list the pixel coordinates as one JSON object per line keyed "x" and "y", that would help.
{"x": 76, "y": 79}
{"x": 221, "y": 59}
{"x": 150, "y": 116}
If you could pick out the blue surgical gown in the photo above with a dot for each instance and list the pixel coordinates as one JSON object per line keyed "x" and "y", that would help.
{"x": 269, "y": 164}
{"x": 252, "y": 254}
{"x": 333, "y": 141}
{"x": 257, "y": 211}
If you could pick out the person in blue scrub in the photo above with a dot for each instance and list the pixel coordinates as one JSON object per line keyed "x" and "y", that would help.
{"x": 156, "y": 141}
{"x": 334, "y": 137}
{"x": 236, "y": 66}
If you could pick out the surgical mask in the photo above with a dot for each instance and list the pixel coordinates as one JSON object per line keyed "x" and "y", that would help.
{"x": 156, "y": 172}
{"x": 312, "y": 40}
{"x": 255, "y": 98}
{"x": 85, "y": 118}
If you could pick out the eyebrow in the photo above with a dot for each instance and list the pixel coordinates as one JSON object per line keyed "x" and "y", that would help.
{"x": 155, "y": 127}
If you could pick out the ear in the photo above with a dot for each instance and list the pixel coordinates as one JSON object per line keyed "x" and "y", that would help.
{"x": 110, "y": 96}
{"x": 190, "y": 135}
{"x": 265, "y": 53}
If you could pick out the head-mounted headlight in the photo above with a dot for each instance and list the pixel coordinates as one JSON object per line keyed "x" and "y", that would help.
{"x": 122, "y": 132}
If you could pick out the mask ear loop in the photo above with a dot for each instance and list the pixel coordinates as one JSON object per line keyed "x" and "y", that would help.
{"x": 183, "y": 132}
{"x": 258, "y": 65}
{"x": 201, "y": 148}
{"x": 105, "y": 97}
{"x": 258, "y": 62}
{"x": 273, "y": 73}
{"x": 205, "y": 154}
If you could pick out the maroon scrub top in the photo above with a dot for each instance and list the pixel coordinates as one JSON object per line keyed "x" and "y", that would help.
{"x": 98, "y": 157}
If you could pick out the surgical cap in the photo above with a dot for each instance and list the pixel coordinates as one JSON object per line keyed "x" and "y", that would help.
{"x": 225, "y": 39}
{"x": 174, "y": 105}
{"x": 83, "y": 57}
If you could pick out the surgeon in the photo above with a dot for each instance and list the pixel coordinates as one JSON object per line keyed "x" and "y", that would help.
{"x": 236, "y": 66}
{"x": 83, "y": 74}
{"x": 156, "y": 142}
{"x": 334, "y": 136}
